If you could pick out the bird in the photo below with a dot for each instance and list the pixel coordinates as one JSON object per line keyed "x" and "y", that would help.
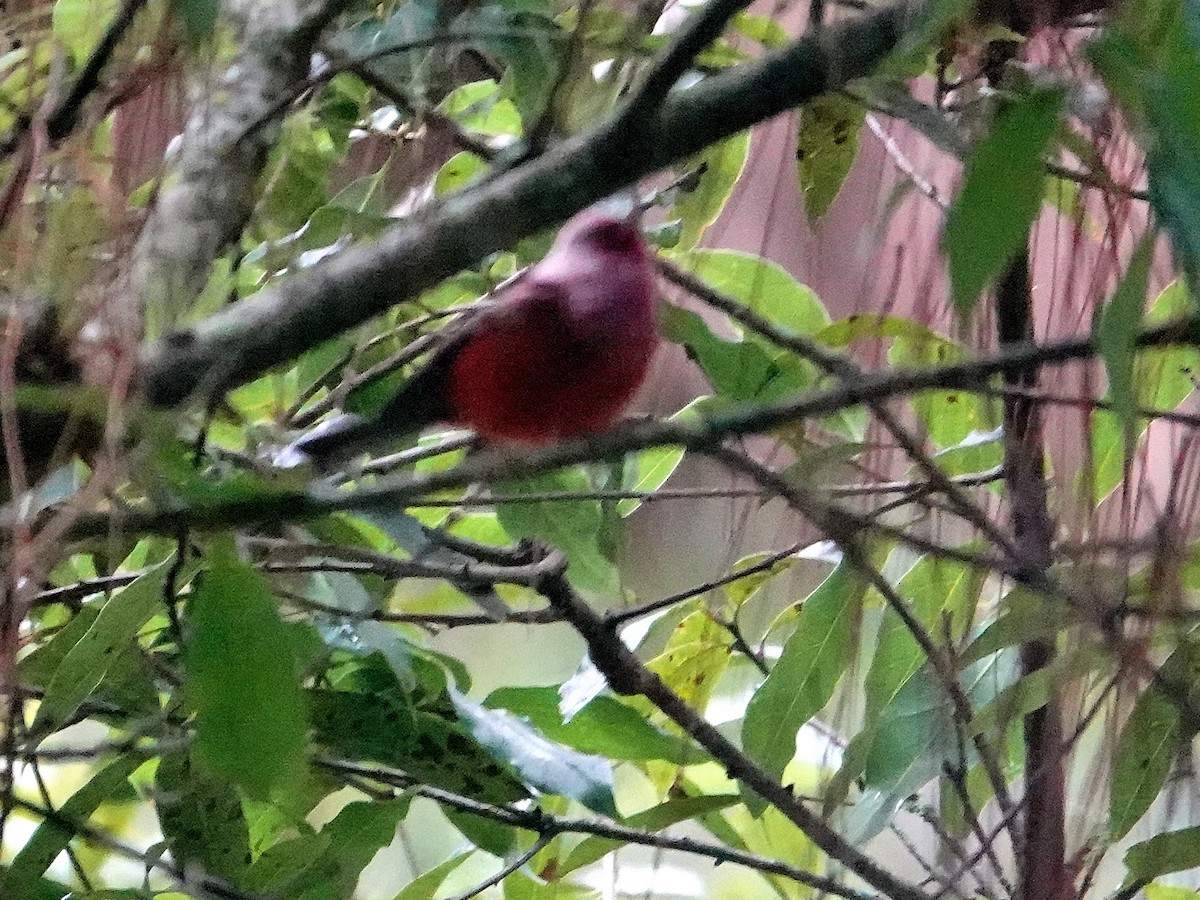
{"x": 558, "y": 355}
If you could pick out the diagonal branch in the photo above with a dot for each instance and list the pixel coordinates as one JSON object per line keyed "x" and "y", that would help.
{"x": 282, "y": 321}
{"x": 627, "y": 675}
{"x": 697, "y": 33}
{"x": 65, "y": 114}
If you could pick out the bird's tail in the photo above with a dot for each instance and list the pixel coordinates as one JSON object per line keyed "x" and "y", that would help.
{"x": 332, "y": 444}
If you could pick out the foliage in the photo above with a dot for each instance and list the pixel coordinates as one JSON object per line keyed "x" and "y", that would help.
{"x": 262, "y": 670}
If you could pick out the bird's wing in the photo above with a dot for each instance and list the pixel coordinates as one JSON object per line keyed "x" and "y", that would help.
{"x": 425, "y": 397}
{"x": 420, "y": 401}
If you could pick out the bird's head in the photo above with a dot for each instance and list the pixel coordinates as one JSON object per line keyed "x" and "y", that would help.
{"x": 602, "y": 233}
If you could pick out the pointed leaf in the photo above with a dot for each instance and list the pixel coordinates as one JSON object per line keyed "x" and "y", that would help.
{"x": 114, "y": 630}
{"x": 250, "y": 717}
{"x": 1172, "y": 851}
{"x": 1002, "y": 191}
{"x": 1116, "y": 337}
{"x": 803, "y": 679}
{"x": 542, "y": 763}
{"x": 21, "y": 880}
{"x": 825, "y": 150}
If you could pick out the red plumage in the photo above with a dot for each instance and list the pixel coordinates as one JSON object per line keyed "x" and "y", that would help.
{"x": 560, "y": 355}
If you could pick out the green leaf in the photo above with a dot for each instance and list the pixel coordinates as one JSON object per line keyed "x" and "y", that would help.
{"x": 416, "y": 69}
{"x": 328, "y": 864}
{"x": 746, "y": 370}
{"x": 1169, "y": 892}
{"x": 201, "y": 818}
{"x": 519, "y": 886}
{"x": 1116, "y": 338}
{"x": 826, "y": 147}
{"x": 720, "y": 167}
{"x": 377, "y": 726}
{"x": 21, "y": 880}
{"x": 762, "y": 29}
{"x": 445, "y": 754}
{"x": 1173, "y": 851}
{"x": 1002, "y": 192}
{"x": 915, "y": 735}
{"x": 803, "y": 679}
{"x": 457, "y": 171}
{"x": 1026, "y": 617}
{"x": 1148, "y": 746}
{"x": 89, "y": 661}
{"x": 867, "y": 327}
{"x": 425, "y": 886}
{"x": 742, "y": 589}
{"x": 573, "y": 526}
{"x": 1162, "y": 378}
{"x": 80, "y": 24}
{"x": 647, "y": 471}
{"x": 293, "y": 865}
{"x": 250, "y": 716}
{"x": 657, "y": 818}
{"x": 199, "y": 18}
{"x": 695, "y": 657}
{"x": 605, "y": 726}
{"x": 532, "y": 50}
{"x": 1152, "y": 63}
{"x": 479, "y": 107}
{"x": 934, "y": 589}
{"x": 764, "y": 286}
{"x": 949, "y": 416}
{"x": 540, "y": 762}
{"x": 38, "y": 889}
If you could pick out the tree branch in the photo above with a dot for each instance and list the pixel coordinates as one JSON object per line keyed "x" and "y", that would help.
{"x": 541, "y": 823}
{"x": 626, "y": 675}
{"x": 282, "y": 321}
{"x": 494, "y": 465}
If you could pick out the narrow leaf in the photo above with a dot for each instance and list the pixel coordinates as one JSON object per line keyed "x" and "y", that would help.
{"x": 803, "y": 679}
{"x": 250, "y": 717}
{"x": 88, "y": 661}
{"x": 542, "y": 763}
{"x": 21, "y": 880}
{"x": 426, "y": 885}
{"x": 1146, "y": 749}
{"x": 1001, "y": 194}
{"x": 1116, "y": 337}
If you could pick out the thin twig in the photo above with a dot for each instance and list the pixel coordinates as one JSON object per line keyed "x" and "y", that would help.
{"x": 534, "y": 849}
{"x": 698, "y": 32}
{"x": 833, "y": 525}
{"x": 496, "y": 464}
{"x": 194, "y": 882}
{"x": 843, "y": 367}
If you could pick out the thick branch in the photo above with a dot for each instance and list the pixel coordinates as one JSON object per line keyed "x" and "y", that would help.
{"x": 284, "y": 320}
{"x": 1043, "y": 845}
